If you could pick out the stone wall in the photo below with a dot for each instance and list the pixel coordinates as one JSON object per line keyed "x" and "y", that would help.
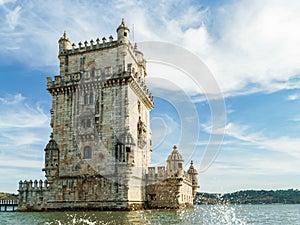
{"x": 167, "y": 194}
{"x": 164, "y": 191}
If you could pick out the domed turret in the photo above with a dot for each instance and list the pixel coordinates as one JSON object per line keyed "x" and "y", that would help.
{"x": 123, "y": 32}
{"x": 194, "y": 175}
{"x": 174, "y": 162}
{"x": 51, "y": 160}
{"x": 64, "y": 43}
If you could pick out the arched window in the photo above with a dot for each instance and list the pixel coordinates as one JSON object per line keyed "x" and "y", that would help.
{"x": 87, "y": 152}
{"x": 91, "y": 98}
{"x": 86, "y": 99}
{"x": 120, "y": 152}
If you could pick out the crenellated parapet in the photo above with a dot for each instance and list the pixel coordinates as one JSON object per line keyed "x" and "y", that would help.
{"x": 165, "y": 190}
{"x": 157, "y": 174}
{"x": 32, "y": 194}
{"x": 35, "y": 185}
{"x": 101, "y": 79}
{"x": 88, "y": 46}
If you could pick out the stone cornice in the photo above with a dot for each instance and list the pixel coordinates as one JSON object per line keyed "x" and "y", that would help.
{"x": 143, "y": 92}
{"x": 72, "y": 82}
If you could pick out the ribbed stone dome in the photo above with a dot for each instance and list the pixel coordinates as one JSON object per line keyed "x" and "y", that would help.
{"x": 51, "y": 144}
{"x": 192, "y": 169}
{"x": 175, "y": 155}
{"x": 122, "y": 25}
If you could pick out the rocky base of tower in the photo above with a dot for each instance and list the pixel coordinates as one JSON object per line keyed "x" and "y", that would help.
{"x": 82, "y": 206}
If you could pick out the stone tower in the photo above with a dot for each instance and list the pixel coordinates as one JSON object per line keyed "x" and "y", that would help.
{"x": 194, "y": 176}
{"x": 100, "y": 147}
{"x": 99, "y": 152}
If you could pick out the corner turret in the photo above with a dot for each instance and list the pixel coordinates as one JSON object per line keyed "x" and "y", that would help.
{"x": 194, "y": 175}
{"x": 123, "y": 33}
{"x": 51, "y": 160}
{"x": 64, "y": 43}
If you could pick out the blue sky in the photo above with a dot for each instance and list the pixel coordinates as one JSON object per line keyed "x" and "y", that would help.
{"x": 252, "y": 48}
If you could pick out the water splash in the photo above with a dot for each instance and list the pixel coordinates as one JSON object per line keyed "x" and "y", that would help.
{"x": 222, "y": 214}
{"x": 74, "y": 219}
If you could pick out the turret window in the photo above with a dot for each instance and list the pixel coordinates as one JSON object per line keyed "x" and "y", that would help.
{"x": 125, "y": 34}
{"x": 87, "y": 152}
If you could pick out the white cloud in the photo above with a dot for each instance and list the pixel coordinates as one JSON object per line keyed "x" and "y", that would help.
{"x": 16, "y": 113}
{"x": 3, "y": 2}
{"x": 247, "y": 151}
{"x": 296, "y": 119}
{"x": 282, "y": 144}
{"x": 12, "y": 18}
{"x": 246, "y": 42}
{"x": 24, "y": 132}
{"x": 259, "y": 42}
{"x": 293, "y": 97}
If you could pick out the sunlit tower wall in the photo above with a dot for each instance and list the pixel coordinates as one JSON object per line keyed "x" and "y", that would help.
{"x": 100, "y": 115}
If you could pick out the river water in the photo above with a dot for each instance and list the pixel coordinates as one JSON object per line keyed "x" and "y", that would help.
{"x": 201, "y": 214}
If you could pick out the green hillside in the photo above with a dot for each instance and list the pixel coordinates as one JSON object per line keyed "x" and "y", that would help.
{"x": 8, "y": 196}
{"x": 290, "y": 196}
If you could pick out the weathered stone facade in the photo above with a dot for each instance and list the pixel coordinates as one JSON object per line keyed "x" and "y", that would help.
{"x": 99, "y": 152}
{"x": 171, "y": 187}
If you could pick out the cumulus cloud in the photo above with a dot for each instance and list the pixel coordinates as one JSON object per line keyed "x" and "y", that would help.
{"x": 258, "y": 43}
{"x": 244, "y": 134}
{"x": 249, "y": 46}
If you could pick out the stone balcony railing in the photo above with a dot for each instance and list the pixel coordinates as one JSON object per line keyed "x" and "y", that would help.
{"x": 72, "y": 80}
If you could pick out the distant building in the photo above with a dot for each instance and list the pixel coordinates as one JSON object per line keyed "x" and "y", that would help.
{"x": 99, "y": 152}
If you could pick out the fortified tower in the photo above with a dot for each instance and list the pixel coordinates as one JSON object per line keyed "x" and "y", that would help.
{"x": 100, "y": 148}
{"x": 99, "y": 152}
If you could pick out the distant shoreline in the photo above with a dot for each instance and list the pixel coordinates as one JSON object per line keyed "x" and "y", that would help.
{"x": 290, "y": 196}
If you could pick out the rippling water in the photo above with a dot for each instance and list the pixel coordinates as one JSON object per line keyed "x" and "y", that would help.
{"x": 212, "y": 214}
